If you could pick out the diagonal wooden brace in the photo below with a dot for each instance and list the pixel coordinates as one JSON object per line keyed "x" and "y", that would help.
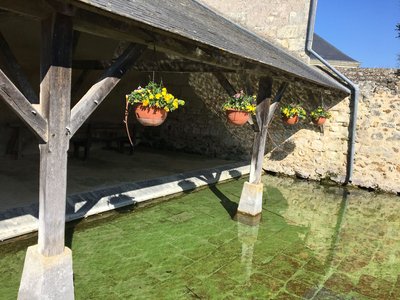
{"x": 99, "y": 91}
{"x": 276, "y": 101}
{"x": 22, "y": 107}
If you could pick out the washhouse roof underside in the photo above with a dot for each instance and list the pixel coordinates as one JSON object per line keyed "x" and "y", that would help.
{"x": 185, "y": 28}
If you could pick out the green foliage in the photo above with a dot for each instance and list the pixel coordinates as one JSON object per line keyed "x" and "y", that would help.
{"x": 242, "y": 102}
{"x": 320, "y": 112}
{"x": 154, "y": 95}
{"x": 291, "y": 110}
{"x": 398, "y": 29}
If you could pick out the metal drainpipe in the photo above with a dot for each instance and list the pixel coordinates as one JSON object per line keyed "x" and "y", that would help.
{"x": 355, "y": 92}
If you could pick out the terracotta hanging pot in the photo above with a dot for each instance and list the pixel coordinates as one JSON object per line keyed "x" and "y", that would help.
{"x": 237, "y": 117}
{"x": 150, "y": 116}
{"x": 291, "y": 121}
{"x": 320, "y": 121}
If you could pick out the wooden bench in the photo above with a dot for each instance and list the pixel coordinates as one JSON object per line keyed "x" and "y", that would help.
{"x": 113, "y": 136}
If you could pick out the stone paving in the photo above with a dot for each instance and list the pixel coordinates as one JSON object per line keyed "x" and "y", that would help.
{"x": 107, "y": 180}
{"x": 313, "y": 242}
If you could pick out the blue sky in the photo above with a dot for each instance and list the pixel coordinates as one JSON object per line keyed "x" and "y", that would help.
{"x": 363, "y": 29}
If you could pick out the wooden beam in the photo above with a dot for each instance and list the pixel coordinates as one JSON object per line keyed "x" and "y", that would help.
{"x": 22, "y": 107}
{"x": 135, "y": 32}
{"x": 55, "y": 95}
{"x": 165, "y": 65}
{"x": 263, "y": 107}
{"x": 224, "y": 82}
{"x": 99, "y": 91}
{"x": 276, "y": 101}
{"x": 16, "y": 71}
{"x": 37, "y": 9}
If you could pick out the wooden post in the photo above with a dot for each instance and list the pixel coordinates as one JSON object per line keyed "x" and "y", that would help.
{"x": 251, "y": 198}
{"x": 263, "y": 105}
{"x": 55, "y": 98}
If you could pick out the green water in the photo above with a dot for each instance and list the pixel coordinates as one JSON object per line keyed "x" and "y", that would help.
{"x": 313, "y": 242}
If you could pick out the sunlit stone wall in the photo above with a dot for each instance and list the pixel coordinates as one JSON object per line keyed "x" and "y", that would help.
{"x": 284, "y": 23}
{"x": 377, "y": 160}
{"x": 309, "y": 153}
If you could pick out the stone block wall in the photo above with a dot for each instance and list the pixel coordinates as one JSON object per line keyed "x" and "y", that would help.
{"x": 377, "y": 159}
{"x": 282, "y": 22}
{"x": 316, "y": 155}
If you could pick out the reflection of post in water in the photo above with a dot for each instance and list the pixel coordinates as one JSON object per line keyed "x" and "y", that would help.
{"x": 338, "y": 227}
{"x": 247, "y": 235}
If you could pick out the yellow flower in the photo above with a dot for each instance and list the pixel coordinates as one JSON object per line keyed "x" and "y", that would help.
{"x": 250, "y": 108}
{"x": 164, "y": 91}
{"x": 151, "y": 97}
{"x": 158, "y": 96}
{"x": 166, "y": 108}
{"x": 168, "y": 98}
{"x": 157, "y": 104}
{"x": 145, "y": 102}
{"x": 175, "y": 104}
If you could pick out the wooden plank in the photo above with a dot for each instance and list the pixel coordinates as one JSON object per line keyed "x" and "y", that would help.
{"x": 99, "y": 91}
{"x": 22, "y": 107}
{"x": 16, "y": 71}
{"x": 56, "y": 95}
{"x": 263, "y": 107}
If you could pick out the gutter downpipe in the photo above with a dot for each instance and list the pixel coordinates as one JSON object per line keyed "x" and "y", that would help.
{"x": 355, "y": 92}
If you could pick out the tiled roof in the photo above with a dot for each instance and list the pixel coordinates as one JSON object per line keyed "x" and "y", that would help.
{"x": 193, "y": 21}
{"x": 328, "y": 51}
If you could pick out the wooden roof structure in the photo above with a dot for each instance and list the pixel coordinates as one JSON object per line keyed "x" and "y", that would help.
{"x": 185, "y": 28}
{"x": 190, "y": 20}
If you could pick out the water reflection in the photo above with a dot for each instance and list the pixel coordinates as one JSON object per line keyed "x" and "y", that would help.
{"x": 313, "y": 242}
{"x": 247, "y": 234}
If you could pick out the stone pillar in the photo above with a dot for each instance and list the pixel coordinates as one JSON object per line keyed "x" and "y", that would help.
{"x": 47, "y": 277}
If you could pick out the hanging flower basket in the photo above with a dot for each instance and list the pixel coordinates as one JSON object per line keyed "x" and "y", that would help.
{"x": 292, "y": 113}
{"x": 239, "y": 107}
{"x": 152, "y": 103}
{"x": 237, "y": 117}
{"x": 319, "y": 116}
{"x": 291, "y": 120}
{"x": 320, "y": 121}
{"x": 150, "y": 116}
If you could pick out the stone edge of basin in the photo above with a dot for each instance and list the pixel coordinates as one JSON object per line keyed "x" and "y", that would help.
{"x": 18, "y": 221}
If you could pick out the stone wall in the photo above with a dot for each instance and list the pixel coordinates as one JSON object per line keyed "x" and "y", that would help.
{"x": 282, "y": 22}
{"x": 377, "y": 160}
{"x": 318, "y": 155}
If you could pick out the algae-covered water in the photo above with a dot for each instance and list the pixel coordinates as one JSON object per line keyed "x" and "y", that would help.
{"x": 313, "y": 242}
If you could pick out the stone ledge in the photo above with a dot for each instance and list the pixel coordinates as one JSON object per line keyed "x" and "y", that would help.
{"x": 19, "y": 221}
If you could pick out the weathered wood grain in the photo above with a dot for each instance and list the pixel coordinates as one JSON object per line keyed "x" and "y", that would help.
{"x": 99, "y": 91}
{"x": 260, "y": 138}
{"x": 55, "y": 96}
{"x": 22, "y": 107}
